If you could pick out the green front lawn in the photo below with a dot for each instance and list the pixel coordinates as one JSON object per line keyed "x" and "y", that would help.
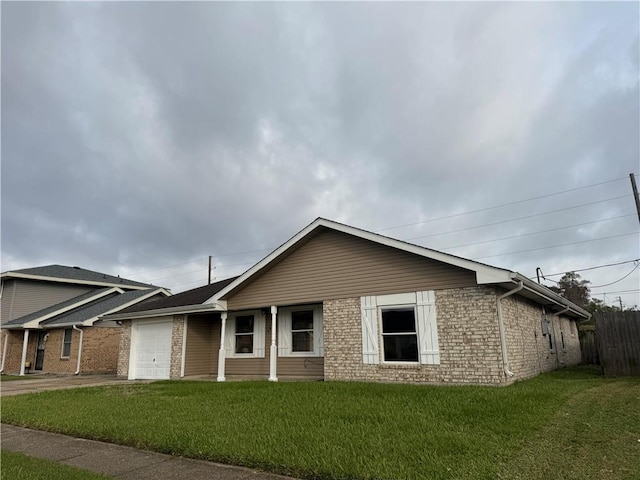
{"x": 15, "y": 466}
{"x": 569, "y": 424}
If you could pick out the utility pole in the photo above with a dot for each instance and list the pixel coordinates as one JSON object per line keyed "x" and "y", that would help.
{"x": 620, "y": 300}
{"x": 634, "y": 187}
{"x": 209, "y": 271}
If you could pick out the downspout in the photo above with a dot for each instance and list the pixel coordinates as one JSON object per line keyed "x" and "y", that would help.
{"x": 503, "y": 337}
{"x": 75, "y": 327}
{"x": 4, "y": 349}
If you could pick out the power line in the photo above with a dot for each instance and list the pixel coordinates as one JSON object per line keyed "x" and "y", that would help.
{"x": 518, "y": 218}
{"x": 620, "y": 279}
{"x": 168, "y": 266}
{"x": 538, "y": 232}
{"x": 560, "y": 245}
{"x": 590, "y": 268}
{"x": 502, "y": 205}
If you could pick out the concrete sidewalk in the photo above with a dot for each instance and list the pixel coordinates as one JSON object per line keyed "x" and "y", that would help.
{"x": 117, "y": 461}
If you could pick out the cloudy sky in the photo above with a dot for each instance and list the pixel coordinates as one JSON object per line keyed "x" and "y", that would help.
{"x": 139, "y": 138}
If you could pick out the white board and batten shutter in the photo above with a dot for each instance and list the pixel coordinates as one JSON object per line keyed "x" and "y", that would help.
{"x": 427, "y": 327}
{"x": 370, "y": 351}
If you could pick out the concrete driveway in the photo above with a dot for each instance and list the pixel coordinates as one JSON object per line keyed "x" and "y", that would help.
{"x": 54, "y": 382}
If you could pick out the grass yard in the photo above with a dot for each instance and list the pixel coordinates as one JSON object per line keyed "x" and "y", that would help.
{"x": 568, "y": 424}
{"x": 15, "y": 466}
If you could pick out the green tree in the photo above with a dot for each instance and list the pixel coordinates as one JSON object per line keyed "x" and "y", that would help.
{"x": 571, "y": 287}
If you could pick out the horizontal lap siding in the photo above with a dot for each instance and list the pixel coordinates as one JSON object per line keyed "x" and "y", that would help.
{"x": 301, "y": 367}
{"x": 337, "y": 265}
{"x": 199, "y": 350}
{"x": 28, "y": 296}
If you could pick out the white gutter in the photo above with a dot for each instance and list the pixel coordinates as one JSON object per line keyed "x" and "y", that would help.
{"x": 75, "y": 327}
{"x": 4, "y": 350}
{"x": 503, "y": 339}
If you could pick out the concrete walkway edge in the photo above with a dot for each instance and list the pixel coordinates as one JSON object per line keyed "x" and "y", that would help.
{"x": 118, "y": 461}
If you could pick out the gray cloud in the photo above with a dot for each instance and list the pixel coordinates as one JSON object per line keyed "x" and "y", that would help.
{"x": 141, "y": 135}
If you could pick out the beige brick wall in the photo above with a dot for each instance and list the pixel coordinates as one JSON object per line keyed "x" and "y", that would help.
{"x": 468, "y": 338}
{"x": 469, "y": 341}
{"x": 528, "y": 349}
{"x": 124, "y": 350}
{"x": 177, "y": 337}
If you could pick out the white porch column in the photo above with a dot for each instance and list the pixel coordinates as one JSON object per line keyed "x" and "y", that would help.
{"x": 222, "y": 354}
{"x": 273, "y": 357}
{"x": 24, "y": 351}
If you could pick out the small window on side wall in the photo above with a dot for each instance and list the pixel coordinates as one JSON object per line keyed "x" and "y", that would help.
{"x": 66, "y": 342}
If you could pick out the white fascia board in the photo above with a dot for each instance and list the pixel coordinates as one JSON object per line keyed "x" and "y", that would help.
{"x": 486, "y": 273}
{"x": 200, "y": 308}
{"x": 36, "y": 321}
{"x": 72, "y": 280}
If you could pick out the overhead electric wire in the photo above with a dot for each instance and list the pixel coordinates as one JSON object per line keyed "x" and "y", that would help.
{"x": 538, "y": 232}
{"x": 168, "y": 266}
{"x": 619, "y": 280}
{"x": 559, "y": 245}
{"x": 499, "y": 206}
{"x": 518, "y": 218}
{"x": 590, "y": 268}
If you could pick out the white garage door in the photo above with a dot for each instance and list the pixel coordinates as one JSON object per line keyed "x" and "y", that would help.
{"x": 152, "y": 347}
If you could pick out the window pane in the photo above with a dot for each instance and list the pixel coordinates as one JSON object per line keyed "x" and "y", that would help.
{"x": 302, "y": 341}
{"x": 244, "y": 343}
{"x": 244, "y": 324}
{"x": 398, "y": 320}
{"x": 400, "y": 348}
{"x": 302, "y": 320}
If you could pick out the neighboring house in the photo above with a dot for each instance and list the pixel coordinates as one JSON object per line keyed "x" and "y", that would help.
{"x": 50, "y": 318}
{"x": 339, "y": 303}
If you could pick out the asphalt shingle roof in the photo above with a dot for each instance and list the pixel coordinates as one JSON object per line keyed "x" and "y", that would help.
{"x": 95, "y": 309}
{"x": 78, "y": 274}
{"x": 195, "y": 296}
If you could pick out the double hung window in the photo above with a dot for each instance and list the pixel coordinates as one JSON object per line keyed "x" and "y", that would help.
{"x": 400, "y": 328}
{"x": 244, "y": 334}
{"x": 399, "y": 334}
{"x": 300, "y": 331}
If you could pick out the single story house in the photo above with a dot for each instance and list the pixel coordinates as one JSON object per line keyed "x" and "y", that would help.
{"x": 336, "y": 302}
{"x": 50, "y": 319}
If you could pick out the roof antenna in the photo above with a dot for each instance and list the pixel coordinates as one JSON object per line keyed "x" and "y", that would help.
{"x": 539, "y": 274}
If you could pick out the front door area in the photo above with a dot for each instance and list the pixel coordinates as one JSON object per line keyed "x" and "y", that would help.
{"x": 42, "y": 340}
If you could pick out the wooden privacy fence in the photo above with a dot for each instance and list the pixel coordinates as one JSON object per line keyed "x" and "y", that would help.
{"x": 618, "y": 338}
{"x": 589, "y": 347}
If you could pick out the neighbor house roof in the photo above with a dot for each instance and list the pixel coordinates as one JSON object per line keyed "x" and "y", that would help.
{"x": 84, "y": 309}
{"x": 77, "y": 275}
{"x": 485, "y": 274}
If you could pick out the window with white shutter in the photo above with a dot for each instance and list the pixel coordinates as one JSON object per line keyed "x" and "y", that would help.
{"x": 244, "y": 335}
{"x": 300, "y": 331}
{"x": 400, "y": 328}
